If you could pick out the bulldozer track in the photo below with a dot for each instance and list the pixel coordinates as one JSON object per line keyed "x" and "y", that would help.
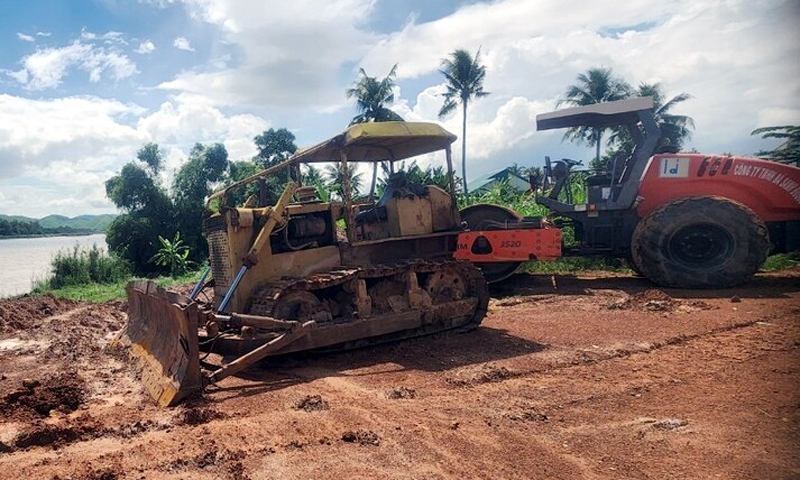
{"x": 267, "y": 297}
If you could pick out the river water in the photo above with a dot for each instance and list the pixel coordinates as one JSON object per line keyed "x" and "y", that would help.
{"x": 24, "y": 261}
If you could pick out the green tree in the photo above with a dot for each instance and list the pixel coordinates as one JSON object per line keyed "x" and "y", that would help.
{"x": 206, "y": 167}
{"x": 313, "y": 176}
{"x": 595, "y": 86}
{"x": 151, "y": 156}
{"x": 147, "y": 210}
{"x": 464, "y": 76}
{"x": 239, "y": 170}
{"x": 789, "y": 150}
{"x": 150, "y": 212}
{"x": 675, "y": 129}
{"x": 274, "y": 146}
{"x": 132, "y": 237}
{"x": 372, "y": 96}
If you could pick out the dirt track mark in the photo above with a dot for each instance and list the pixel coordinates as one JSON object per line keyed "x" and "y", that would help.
{"x": 565, "y": 357}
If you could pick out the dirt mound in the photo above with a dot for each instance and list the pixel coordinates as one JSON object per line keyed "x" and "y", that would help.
{"x": 62, "y": 392}
{"x": 485, "y": 373}
{"x": 43, "y": 435}
{"x": 655, "y": 300}
{"x": 361, "y": 437}
{"x": 198, "y": 415}
{"x": 526, "y": 415}
{"x": 217, "y": 463}
{"x": 24, "y": 313}
{"x": 311, "y": 403}
{"x": 401, "y": 393}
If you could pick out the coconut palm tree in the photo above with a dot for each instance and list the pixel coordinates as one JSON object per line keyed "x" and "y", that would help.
{"x": 371, "y": 96}
{"x": 675, "y": 129}
{"x": 335, "y": 177}
{"x": 595, "y": 86}
{"x": 536, "y": 178}
{"x": 789, "y": 150}
{"x": 464, "y": 77}
{"x": 517, "y": 170}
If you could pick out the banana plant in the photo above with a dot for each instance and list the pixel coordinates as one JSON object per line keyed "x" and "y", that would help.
{"x": 173, "y": 254}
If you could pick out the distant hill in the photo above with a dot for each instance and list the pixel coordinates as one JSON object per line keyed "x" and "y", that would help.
{"x": 93, "y": 223}
{"x": 97, "y": 223}
{"x": 18, "y": 218}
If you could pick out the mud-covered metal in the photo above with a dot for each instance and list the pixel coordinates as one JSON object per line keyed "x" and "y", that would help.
{"x": 162, "y": 328}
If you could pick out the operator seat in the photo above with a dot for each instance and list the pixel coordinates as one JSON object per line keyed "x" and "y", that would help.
{"x": 397, "y": 186}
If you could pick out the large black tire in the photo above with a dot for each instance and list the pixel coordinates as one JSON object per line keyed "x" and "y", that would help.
{"x": 700, "y": 242}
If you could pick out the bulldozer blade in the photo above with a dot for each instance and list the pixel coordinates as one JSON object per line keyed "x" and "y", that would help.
{"x": 162, "y": 328}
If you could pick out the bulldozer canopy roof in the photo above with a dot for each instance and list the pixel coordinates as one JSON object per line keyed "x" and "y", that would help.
{"x": 596, "y": 115}
{"x": 364, "y": 142}
{"x": 379, "y": 141}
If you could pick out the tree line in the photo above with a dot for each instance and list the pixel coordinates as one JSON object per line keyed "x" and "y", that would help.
{"x": 22, "y": 228}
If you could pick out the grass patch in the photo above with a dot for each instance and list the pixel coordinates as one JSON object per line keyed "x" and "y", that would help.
{"x": 103, "y": 292}
{"x": 566, "y": 265}
{"x": 93, "y": 292}
{"x": 781, "y": 261}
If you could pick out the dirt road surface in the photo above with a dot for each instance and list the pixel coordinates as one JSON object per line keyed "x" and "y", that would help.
{"x": 595, "y": 377}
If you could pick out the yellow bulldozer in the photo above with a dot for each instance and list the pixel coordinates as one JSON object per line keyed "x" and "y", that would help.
{"x": 306, "y": 274}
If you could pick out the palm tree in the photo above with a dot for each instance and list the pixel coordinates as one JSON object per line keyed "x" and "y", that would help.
{"x": 536, "y": 178}
{"x": 335, "y": 176}
{"x": 595, "y": 86}
{"x": 675, "y": 129}
{"x": 464, "y": 77}
{"x": 371, "y": 97}
{"x": 789, "y": 150}
{"x": 517, "y": 170}
{"x": 311, "y": 175}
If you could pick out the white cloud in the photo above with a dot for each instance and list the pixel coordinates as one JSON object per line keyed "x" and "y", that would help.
{"x": 47, "y": 67}
{"x": 293, "y": 53}
{"x": 25, "y": 38}
{"x": 181, "y": 43}
{"x": 108, "y": 38}
{"x": 55, "y": 155}
{"x": 84, "y": 130}
{"x": 146, "y": 47}
{"x": 189, "y": 119}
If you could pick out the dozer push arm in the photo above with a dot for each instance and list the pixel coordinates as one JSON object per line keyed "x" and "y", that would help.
{"x": 273, "y": 215}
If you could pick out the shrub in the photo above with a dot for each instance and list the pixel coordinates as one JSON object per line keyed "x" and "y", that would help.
{"x": 86, "y": 266}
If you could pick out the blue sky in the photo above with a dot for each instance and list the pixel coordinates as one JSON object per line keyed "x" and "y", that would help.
{"x": 85, "y": 83}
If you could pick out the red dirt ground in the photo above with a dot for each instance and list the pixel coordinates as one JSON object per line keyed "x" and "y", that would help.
{"x": 597, "y": 377}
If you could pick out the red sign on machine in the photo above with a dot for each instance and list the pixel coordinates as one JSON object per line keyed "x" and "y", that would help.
{"x": 509, "y": 245}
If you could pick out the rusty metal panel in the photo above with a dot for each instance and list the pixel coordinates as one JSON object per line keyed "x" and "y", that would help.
{"x": 162, "y": 328}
